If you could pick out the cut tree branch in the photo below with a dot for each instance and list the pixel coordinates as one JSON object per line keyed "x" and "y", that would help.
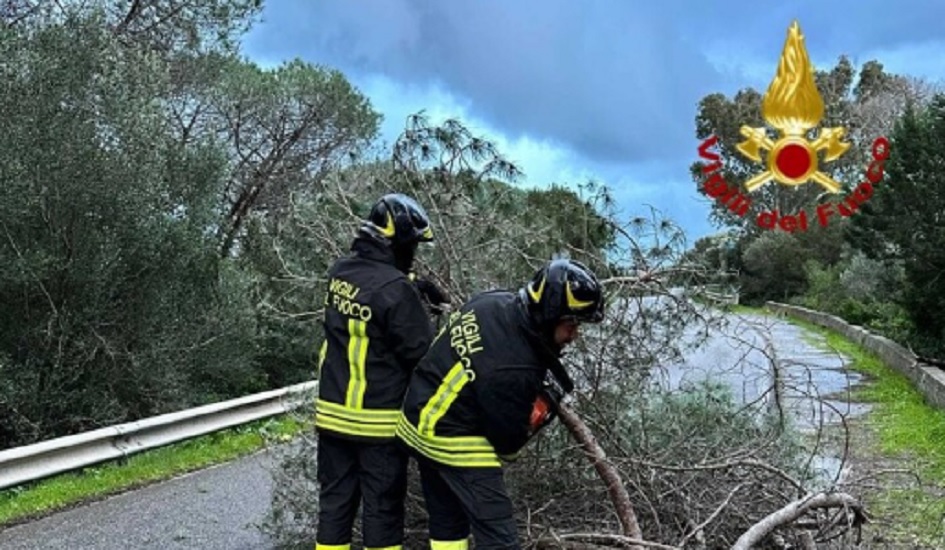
{"x": 796, "y": 509}
{"x": 601, "y": 538}
{"x": 608, "y": 473}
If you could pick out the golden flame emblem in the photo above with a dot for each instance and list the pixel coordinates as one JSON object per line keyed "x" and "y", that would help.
{"x": 793, "y": 106}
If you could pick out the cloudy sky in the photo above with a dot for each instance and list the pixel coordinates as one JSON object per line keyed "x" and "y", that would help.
{"x": 574, "y": 90}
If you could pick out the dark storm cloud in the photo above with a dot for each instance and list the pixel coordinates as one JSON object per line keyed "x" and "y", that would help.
{"x": 617, "y": 81}
{"x": 614, "y": 82}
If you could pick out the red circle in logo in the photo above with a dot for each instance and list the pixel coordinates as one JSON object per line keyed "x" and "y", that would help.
{"x": 793, "y": 160}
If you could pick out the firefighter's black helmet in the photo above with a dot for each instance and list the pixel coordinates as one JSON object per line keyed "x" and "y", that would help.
{"x": 400, "y": 219}
{"x": 564, "y": 289}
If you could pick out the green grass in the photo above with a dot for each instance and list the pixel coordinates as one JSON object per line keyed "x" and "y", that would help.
{"x": 65, "y": 490}
{"x": 908, "y": 430}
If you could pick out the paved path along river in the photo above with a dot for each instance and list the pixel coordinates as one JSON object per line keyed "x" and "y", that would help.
{"x": 216, "y": 508}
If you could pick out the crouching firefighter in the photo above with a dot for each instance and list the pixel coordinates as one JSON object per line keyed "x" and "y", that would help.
{"x": 481, "y": 393}
{"x": 376, "y": 330}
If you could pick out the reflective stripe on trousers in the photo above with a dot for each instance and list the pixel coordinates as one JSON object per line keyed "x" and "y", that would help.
{"x": 449, "y": 544}
{"x": 375, "y": 423}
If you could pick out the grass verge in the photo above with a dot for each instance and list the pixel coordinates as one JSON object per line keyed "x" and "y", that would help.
{"x": 907, "y": 433}
{"x": 66, "y": 490}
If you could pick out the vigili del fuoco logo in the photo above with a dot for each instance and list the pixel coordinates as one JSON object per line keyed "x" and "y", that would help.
{"x": 792, "y": 106}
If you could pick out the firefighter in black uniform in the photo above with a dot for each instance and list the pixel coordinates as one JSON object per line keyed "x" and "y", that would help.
{"x": 376, "y": 330}
{"x": 482, "y": 391}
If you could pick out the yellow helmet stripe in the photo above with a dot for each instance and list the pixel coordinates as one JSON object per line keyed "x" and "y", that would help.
{"x": 573, "y": 302}
{"x": 536, "y": 294}
{"x": 389, "y": 230}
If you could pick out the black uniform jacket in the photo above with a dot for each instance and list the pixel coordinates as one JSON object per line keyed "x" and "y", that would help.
{"x": 470, "y": 398}
{"x": 376, "y": 330}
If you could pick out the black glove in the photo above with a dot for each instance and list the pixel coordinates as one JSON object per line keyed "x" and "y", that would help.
{"x": 432, "y": 294}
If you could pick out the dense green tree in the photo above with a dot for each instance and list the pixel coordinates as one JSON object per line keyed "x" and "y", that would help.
{"x": 165, "y": 27}
{"x": 715, "y": 259}
{"x": 285, "y": 129}
{"x": 575, "y": 221}
{"x": 773, "y": 268}
{"x": 115, "y": 303}
{"x": 904, "y": 222}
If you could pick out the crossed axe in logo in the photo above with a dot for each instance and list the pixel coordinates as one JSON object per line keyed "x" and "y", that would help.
{"x": 792, "y": 159}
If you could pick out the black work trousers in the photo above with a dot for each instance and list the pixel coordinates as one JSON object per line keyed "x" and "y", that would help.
{"x": 351, "y": 471}
{"x": 458, "y": 499}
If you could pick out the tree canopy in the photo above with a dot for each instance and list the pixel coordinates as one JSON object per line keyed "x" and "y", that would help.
{"x": 904, "y": 222}
{"x": 169, "y": 210}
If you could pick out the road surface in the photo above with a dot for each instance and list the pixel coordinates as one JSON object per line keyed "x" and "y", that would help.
{"x": 210, "y": 509}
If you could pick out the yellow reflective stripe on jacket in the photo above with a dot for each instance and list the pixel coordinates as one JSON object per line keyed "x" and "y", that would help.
{"x": 437, "y": 406}
{"x": 380, "y": 423}
{"x": 438, "y": 334}
{"x": 467, "y": 451}
{"x": 332, "y": 546}
{"x": 322, "y": 352}
{"x": 449, "y": 544}
{"x": 357, "y": 357}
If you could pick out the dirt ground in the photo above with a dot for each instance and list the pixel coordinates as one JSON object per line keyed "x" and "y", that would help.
{"x": 895, "y": 497}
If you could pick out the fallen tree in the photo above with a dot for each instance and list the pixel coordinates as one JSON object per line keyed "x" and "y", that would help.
{"x": 636, "y": 462}
{"x": 611, "y": 477}
{"x": 852, "y": 512}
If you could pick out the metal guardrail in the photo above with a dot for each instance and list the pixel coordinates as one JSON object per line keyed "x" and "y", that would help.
{"x": 63, "y": 454}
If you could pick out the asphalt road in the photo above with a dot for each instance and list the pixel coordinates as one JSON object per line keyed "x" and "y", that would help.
{"x": 814, "y": 382}
{"x": 210, "y": 509}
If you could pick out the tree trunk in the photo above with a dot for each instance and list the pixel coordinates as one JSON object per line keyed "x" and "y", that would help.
{"x": 608, "y": 473}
